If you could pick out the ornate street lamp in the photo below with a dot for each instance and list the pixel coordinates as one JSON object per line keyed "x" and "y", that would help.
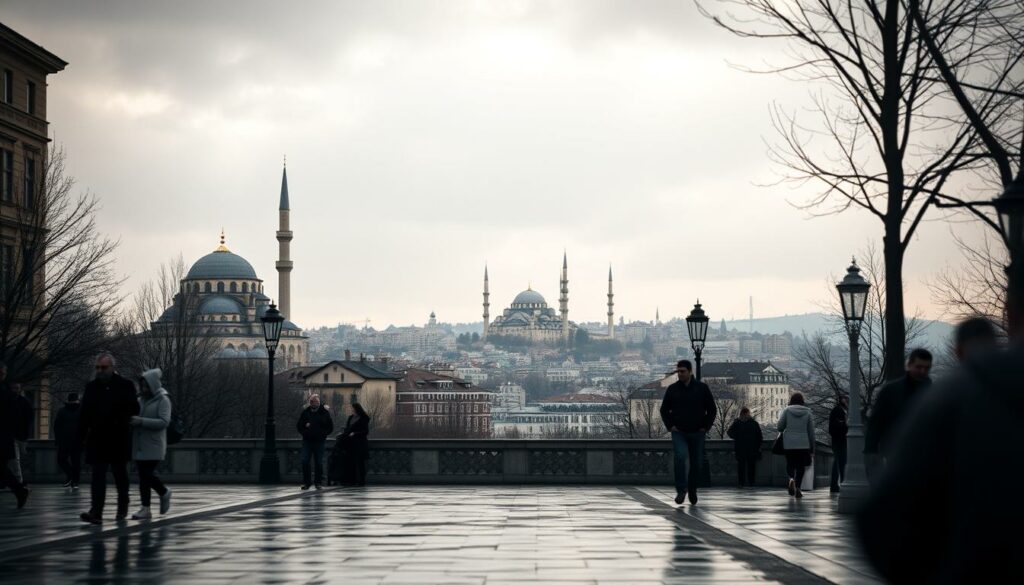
{"x": 270, "y": 468}
{"x": 697, "y": 326}
{"x": 853, "y": 295}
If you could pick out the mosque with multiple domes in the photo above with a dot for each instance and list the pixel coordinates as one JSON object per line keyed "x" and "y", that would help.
{"x": 529, "y": 316}
{"x": 222, "y": 296}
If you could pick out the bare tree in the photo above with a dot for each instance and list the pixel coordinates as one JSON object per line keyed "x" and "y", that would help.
{"x": 977, "y": 286}
{"x": 727, "y": 403}
{"x": 886, "y": 142}
{"x": 57, "y": 282}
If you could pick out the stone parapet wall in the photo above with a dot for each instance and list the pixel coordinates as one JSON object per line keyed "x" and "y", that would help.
{"x": 456, "y": 461}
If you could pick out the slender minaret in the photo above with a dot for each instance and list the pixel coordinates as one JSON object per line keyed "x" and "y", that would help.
{"x": 487, "y": 304}
{"x": 563, "y": 300}
{"x": 657, "y": 316}
{"x": 284, "y": 262}
{"x": 611, "y": 305}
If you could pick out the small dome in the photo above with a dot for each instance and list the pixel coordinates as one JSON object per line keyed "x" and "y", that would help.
{"x": 528, "y": 298}
{"x": 219, "y": 265}
{"x": 289, "y": 326}
{"x": 258, "y": 352}
{"x": 169, "y": 315}
{"x": 219, "y": 304}
{"x": 227, "y": 353}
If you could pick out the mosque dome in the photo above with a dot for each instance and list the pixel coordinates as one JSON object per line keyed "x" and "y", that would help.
{"x": 528, "y": 299}
{"x": 221, "y": 263}
{"x": 220, "y": 304}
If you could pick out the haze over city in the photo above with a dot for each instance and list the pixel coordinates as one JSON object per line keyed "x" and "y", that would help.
{"x": 426, "y": 139}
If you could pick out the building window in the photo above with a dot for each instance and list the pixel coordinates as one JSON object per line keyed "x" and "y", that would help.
{"x": 30, "y": 97}
{"x": 8, "y": 86}
{"x": 325, "y": 378}
{"x": 7, "y": 175}
{"x": 245, "y": 287}
{"x": 234, "y": 287}
{"x": 30, "y": 181}
{"x": 220, "y": 287}
{"x": 6, "y": 270}
{"x": 206, "y": 287}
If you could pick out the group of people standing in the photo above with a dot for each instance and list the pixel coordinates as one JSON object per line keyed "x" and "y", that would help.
{"x": 351, "y": 447}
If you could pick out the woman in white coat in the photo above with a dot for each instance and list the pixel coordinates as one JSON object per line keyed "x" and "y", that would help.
{"x": 149, "y": 441}
{"x": 796, "y": 424}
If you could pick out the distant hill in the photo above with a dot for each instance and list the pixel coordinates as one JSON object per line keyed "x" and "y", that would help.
{"x": 936, "y": 334}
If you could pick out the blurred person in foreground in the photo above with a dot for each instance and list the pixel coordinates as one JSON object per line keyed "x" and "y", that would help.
{"x": 946, "y": 507}
{"x": 974, "y": 336}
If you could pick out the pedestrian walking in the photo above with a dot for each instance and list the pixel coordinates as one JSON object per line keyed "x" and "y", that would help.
{"x": 149, "y": 441}
{"x": 69, "y": 444}
{"x": 22, "y": 431}
{"x": 747, "y": 439}
{"x": 892, "y": 404}
{"x": 688, "y": 411}
{"x": 11, "y": 420}
{"x": 355, "y": 445}
{"x": 947, "y": 504}
{"x": 796, "y": 424}
{"x": 838, "y": 427}
{"x": 108, "y": 405}
{"x": 315, "y": 425}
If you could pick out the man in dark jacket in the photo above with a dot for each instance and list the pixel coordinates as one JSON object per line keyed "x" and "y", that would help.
{"x": 315, "y": 425}
{"x": 837, "y": 429}
{"x": 11, "y": 419}
{"x": 108, "y": 405}
{"x": 688, "y": 411}
{"x": 894, "y": 401}
{"x": 747, "y": 438}
{"x": 69, "y": 443}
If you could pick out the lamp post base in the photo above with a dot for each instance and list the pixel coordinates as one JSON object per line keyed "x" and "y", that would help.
{"x": 853, "y": 496}
{"x": 270, "y": 468}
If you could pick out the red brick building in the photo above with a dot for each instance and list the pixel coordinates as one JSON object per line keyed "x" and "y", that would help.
{"x": 439, "y": 406}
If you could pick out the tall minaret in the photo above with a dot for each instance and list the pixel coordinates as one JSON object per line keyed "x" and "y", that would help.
{"x": 284, "y": 263}
{"x": 563, "y": 300}
{"x": 487, "y": 304}
{"x": 657, "y": 316}
{"x": 611, "y": 306}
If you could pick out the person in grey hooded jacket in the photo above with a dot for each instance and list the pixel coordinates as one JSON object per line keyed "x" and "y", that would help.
{"x": 796, "y": 424}
{"x": 149, "y": 441}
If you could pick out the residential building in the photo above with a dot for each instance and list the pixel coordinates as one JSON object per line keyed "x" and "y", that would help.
{"x": 432, "y": 405}
{"x": 371, "y": 383}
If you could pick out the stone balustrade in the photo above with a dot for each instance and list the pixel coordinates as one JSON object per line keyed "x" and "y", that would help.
{"x": 456, "y": 461}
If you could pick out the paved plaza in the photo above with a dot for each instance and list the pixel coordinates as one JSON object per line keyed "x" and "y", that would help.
{"x": 429, "y": 534}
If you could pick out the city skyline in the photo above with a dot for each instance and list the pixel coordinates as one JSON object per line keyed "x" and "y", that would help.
{"x": 443, "y": 138}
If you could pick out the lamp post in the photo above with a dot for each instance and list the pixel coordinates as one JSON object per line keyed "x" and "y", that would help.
{"x": 697, "y": 326}
{"x": 853, "y": 295}
{"x": 270, "y": 467}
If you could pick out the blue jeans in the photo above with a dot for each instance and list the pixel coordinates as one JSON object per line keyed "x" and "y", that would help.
{"x": 316, "y": 450}
{"x": 689, "y": 452}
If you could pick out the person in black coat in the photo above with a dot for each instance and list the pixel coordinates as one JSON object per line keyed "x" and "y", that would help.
{"x": 894, "y": 402}
{"x": 747, "y": 439}
{"x": 315, "y": 425}
{"x": 104, "y": 425}
{"x": 688, "y": 411}
{"x": 837, "y": 429}
{"x": 11, "y": 419}
{"x": 354, "y": 442}
{"x": 69, "y": 443}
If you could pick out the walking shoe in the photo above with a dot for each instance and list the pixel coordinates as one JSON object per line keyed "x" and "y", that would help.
{"x": 22, "y": 496}
{"x": 67, "y": 483}
{"x": 680, "y": 498}
{"x": 791, "y": 487}
{"x": 121, "y": 514}
{"x": 799, "y": 494}
{"x": 318, "y": 486}
{"x": 74, "y": 486}
{"x": 165, "y": 501}
{"x": 90, "y": 518}
{"x": 142, "y": 514}
{"x": 305, "y": 486}
{"x": 693, "y": 497}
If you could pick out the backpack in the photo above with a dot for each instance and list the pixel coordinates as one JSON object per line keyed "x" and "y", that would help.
{"x": 176, "y": 429}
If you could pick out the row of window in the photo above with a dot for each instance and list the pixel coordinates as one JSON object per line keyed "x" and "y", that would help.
{"x": 30, "y": 92}
{"x": 444, "y": 408}
{"x": 222, "y": 287}
{"x": 29, "y": 178}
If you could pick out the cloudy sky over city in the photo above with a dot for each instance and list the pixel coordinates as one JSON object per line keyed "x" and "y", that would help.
{"x": 425, "y": 139}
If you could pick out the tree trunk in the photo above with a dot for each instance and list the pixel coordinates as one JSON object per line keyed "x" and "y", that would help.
{"x": 895, "y": 333}
{"x": 895, "y": 324}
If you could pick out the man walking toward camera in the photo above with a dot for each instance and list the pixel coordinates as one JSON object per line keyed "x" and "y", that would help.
{"x": 688, "y": 411}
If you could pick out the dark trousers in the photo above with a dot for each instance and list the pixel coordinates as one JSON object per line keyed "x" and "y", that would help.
{"x": 8, "y": 479}
{"x": 689, "y": 452}
{"x": 838, "y": 462}
{"x": 99, "y": 486}
{"x": 359, "y": 470}
{"x": 148, "y": 481}
{"x": 69, "y": 458}
{"x": 796, "y": 464}
{"x": 747, "y": 470}
{"x": 314, "y": 449}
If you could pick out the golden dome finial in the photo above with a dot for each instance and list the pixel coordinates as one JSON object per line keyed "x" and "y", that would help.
{"x": 222, "y": 247}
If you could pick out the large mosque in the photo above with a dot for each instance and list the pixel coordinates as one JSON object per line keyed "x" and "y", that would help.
{"x": 222, "y": 293}
{"x": 529, "y": 316}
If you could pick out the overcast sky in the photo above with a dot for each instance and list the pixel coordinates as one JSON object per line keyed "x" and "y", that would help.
{"x": 427, "y": 138}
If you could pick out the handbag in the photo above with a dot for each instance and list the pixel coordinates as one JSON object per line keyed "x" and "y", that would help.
{"x": 777, "y": 447}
